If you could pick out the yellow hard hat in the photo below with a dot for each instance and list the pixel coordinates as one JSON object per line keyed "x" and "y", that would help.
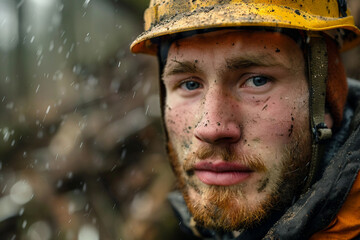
{"x": 164, "y": 17}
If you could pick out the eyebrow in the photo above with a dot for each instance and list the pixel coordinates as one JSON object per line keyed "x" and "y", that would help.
{"x": 249, "y": 60}
{"x": 177, "y": 67}
{"x": 240, "y": 62}
{"x": 263, "y": 60}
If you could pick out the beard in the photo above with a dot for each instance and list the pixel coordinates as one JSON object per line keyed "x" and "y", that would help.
{"x": 228, "y": 208}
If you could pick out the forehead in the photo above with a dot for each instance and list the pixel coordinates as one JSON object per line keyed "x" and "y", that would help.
{"x": 250, "y": 36}
{"x": 251, "y": 44}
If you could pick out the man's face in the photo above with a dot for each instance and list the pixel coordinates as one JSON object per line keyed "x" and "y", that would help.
{"x": 237, "y": 119}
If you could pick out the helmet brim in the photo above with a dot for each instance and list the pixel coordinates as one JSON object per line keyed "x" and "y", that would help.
{"x": 242, "y": 15}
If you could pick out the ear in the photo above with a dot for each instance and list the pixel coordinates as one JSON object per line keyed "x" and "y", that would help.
{"x": 328, "y": 120}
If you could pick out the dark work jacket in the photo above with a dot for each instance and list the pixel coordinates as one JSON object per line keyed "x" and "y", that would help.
{"x": 317, "y": 210}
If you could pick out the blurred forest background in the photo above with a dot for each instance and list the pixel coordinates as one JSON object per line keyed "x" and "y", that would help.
{"x": 81, "y": 145}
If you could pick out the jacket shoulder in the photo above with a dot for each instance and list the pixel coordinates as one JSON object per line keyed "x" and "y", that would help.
{"x": 346, "y": 224}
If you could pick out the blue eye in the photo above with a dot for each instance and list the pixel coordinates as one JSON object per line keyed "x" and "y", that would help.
{"x": 190, "y": 85}
{"x": 257, "y": 81}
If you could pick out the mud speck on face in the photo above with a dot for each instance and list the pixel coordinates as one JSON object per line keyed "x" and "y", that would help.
{"x": 263, "y": 185}
{"x": 291, "y": 130}
{"x": 186, "y": 145}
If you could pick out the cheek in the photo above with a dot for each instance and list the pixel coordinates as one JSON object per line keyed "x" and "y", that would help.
{"x": 178, "y": 125}
{"x": 277, "y": 121}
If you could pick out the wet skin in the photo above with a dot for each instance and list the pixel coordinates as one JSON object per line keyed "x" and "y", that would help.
{"x": 242, "y": 91}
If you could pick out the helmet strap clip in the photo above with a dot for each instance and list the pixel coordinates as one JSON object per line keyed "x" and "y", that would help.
{"x": 317, "y": 73}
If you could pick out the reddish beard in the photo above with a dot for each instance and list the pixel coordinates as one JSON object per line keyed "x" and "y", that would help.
{"x": 219, "y": 206}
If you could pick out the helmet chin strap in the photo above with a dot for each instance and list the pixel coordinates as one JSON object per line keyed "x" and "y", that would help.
{"x": 317, "y": 71}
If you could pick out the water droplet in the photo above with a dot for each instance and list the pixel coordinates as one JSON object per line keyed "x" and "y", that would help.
{"x": 21, "y": 192}
{"x": 37, "y": 88}
{"x": 92, "y": 81}
{"x": 71, "y": 208}
{"x": 6, "y": 133}
{"x": 76, "y": 69}
{"x": 58, "y": 75}
{"x": 39, "y": 51}
{"x": 123, "y": 154}
{"x": 28, "y": 29}
{"x": 10, "y": 105}
{"x": 21, "y": 211}
{"x": 40, "y": 61}
{"x": 24, "y": 224}
{"x": 40, "y": 134}
{"x": 86, "y": 3}
{"x": 4, "y": 189}
{"x": 87, "y": 38}
{"x": 39, "y": 230}
{"x": 59, "y": 183}
{"x": 51, "y": 46}
{"x": 88, "y": 232}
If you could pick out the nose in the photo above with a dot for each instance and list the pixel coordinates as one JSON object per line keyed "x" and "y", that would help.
{"x": 218, "y": 121}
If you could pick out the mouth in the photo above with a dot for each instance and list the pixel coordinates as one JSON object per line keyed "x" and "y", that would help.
{"x": 221, "y": 173}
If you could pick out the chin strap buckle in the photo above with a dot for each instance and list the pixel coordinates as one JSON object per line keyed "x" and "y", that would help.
{"x": 321, "y": 132}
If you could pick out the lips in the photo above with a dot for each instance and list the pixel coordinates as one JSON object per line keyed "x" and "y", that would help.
{"x": 221, "y": 173}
